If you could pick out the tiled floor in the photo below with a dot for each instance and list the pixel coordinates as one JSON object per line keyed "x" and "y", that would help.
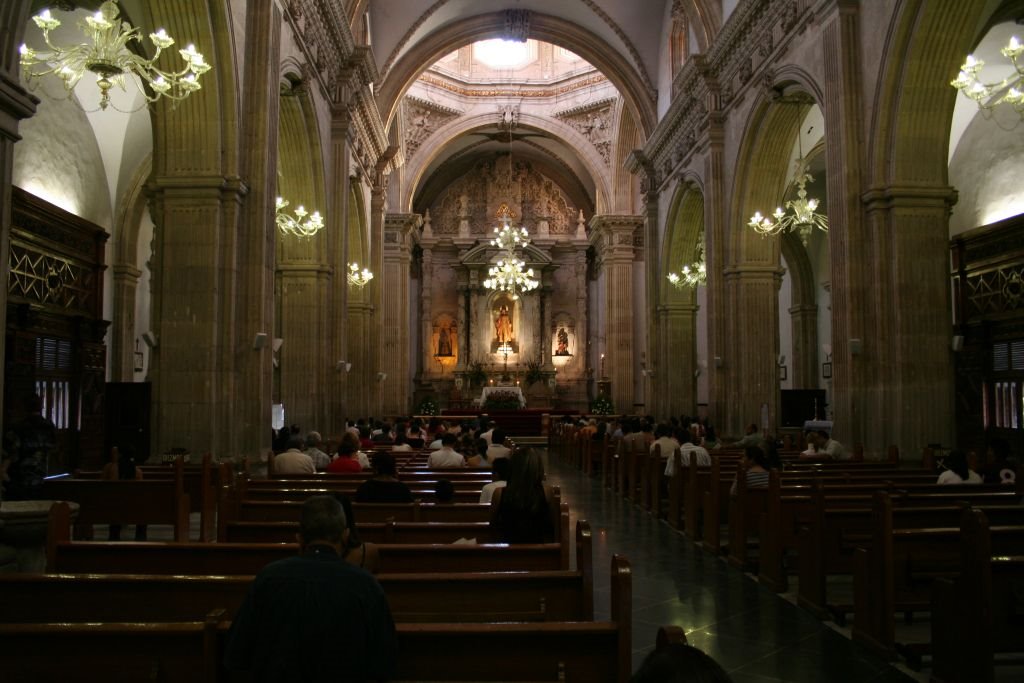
{"x": 757, "y": 636}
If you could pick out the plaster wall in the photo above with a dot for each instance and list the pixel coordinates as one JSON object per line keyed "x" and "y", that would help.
{"x": 59, "y": 160}
{"x": 985, "y": 170}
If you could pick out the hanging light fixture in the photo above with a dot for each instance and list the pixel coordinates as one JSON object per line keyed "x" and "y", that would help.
{"x": 510, "y": 274}
{"x": 693, "y": 274}
{"x": 804, "y": 217}
{"x": 297, "y": 225}
{"x": 985, "y": 94}
{"x": 106, "y": 54}
{"x": 358, "y": 278}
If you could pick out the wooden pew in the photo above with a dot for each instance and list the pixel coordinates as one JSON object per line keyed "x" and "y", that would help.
{"x": 125, "y": 502}
{"x": 462, "y": 492}
{"x": 371, "y": 532}
{"x": 835, "y": 526}
{"x": 575, "y": 651}
{"x": 114, "y": 652}
{"x": 549, "y": 595}
{"x": 895, "y": 572}
{"x": 976, "y": 615}
{"x": 66, "y": 556}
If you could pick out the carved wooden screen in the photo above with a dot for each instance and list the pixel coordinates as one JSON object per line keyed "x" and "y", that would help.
{"x": 988, "y": 301}
{"x": 55, "y": 329}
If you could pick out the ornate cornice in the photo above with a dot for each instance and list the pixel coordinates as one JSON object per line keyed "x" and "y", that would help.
{"x": 491, "y": 91}
{"x": 751, "y": 40}
{"x": 586, "y": 108}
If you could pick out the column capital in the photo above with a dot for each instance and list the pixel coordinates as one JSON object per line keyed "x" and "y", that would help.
{"x": 16, "y": 103}
{"x": 615, "y": 236}
{"x": 397, "y": 229}
{"x": 909, "y": 196}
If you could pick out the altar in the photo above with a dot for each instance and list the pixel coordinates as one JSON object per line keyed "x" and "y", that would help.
{"x": 515, "y": 389}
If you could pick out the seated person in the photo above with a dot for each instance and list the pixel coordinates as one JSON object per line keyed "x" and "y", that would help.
{"x": 751, "y": 438}
{"x": 347, "y": 460}
{"x": 355, "y": 551}
{"x": 303, "y": 613}
{"x": 444, "y": 492}
{"x": 679, "y": 663}
{"x": 401, "y": 443}
{"x": 446, "y": 456}
{"x": 821, "y": 445}
{"x": 293, "y": 460}
{"x": 754, "y": 466}
{"x": 1002, "y": 466}
{"x": 521, "y": 511}
{"x": 688, "y": 452}
{"x": 957, "y": 470}
{"x": 497, "y": 448}
{"x": 383, "y": 486}
{"x": 500, "y": 479}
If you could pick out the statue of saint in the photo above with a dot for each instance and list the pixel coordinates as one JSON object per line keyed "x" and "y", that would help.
{"x": 503, "y": 325}
{"x": 444, "y": 343}
{"x": 563, "y": 343}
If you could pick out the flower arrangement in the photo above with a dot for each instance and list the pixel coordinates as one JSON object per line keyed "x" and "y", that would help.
{"x": 428, "y": 406}
{"x": 502, "y": 400}
{"x": 602, "y": 405}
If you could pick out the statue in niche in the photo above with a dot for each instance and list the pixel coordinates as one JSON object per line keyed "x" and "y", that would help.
{"x": 503, "y": 325}
{"x": 563, "y": 343}
{"x": 444, "y": 343}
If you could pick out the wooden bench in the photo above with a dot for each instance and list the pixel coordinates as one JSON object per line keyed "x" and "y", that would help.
{"x": 66, "y": 556}
{"x": 124, "y": 502}
{"x": 835, "y": 526}
{"x": 372, "y": 532}
{"x": 978, "y": 614}
{"x": 894, "y": 574}
{"x": 575, "y": 651}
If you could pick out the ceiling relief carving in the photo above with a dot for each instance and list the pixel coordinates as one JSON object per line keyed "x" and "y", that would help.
{"x": 422, "y": 119}
{"x": 595, "y": 123}
{"x": 473, "y": 201}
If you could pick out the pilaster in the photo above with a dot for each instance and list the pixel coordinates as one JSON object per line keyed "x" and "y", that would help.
{"x": 122, "y": 343}
{"x": 715, "y": 240}
{"x": 674, "y": 375}
{"x": 613, "y": 238}
{"x": 398, "y": 229}
{"x": 338, "y": 184}
{"x": 804, "y": 321}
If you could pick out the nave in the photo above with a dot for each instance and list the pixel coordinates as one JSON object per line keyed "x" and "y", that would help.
{"x": 757, "y": 636}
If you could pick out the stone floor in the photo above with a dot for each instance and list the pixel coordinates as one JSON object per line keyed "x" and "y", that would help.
{"x": 756, "y": 635}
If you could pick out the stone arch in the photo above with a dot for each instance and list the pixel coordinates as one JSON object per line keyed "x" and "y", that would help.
{"x": 572, "y": 138}
{"x": 676, "y": 374}
{"x": 618, "y": 69}
{"x": 300, "y": 178}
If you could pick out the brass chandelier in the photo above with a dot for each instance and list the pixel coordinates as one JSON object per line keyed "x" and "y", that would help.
{"x": 510, "y": 274}
{"x": 693, "y": 274}
{"x": 105, "y": 53}
{"x": 298, "y": 224}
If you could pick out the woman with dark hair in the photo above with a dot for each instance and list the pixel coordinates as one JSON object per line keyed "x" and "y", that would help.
{"x": 678, "y": 663}
{"x": 521, "y": 512}
{"x": 355, "y": 552}
{"x": 957, "y": 471}
{"x": 1001, "y": 467}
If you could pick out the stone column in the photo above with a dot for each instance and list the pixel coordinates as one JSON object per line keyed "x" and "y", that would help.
{"x": 15, "y": 104}
{"x": 122, "y": 336}
{"x": 464, "y": 328}
{"x": 674, "y": 374}
{"x": 338, "y": 189}
{"x": 427, "y": 312}
{"x": 804, "y": 363}
{"x": 395, "y": 310}
{"x": 544, "y": 334}
{"x": 304, "y": 289}
{"x": 849, "y": 240}
{"x": 752, "y": 357}
{"x": 613, "y": 238}
{"x": 375, "y": 384}
{"x": 363, "y": 383}
{"x": 715, "y": 241}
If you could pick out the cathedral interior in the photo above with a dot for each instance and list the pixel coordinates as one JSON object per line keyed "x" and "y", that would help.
{"x": 153, "y": 281}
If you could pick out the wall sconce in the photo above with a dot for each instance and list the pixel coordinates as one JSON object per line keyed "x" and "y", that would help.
{"x": 783, "y": 371}
{"x": 826, "y": 367}
{"x": 381, "y": 376}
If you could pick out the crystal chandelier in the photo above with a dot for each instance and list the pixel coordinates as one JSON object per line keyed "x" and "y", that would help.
{"x": 106, "y": 54}
{"x": 297, "y": 225}
{"x": 1012, "y": 88}
{"x": 694, "y": 274}
{"x": 358, "y": 278}
{"x": 510, "y": 274}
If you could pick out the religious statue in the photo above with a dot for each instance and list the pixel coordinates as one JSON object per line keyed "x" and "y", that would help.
{"x": 444, "y": 343}
{"x": 503, "y": 325}
{"x": 563, "y": 343}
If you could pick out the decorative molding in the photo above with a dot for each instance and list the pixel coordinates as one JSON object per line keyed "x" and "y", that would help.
{"x": 594, "y": 122}
{"x": 490, "y": 91}
{"x": 422, "y": 119}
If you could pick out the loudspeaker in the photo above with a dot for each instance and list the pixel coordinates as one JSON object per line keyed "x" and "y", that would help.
{"x": 259, "y": 341}
{"x": 150, "y": 339}
{"x": 342, "y": 365}
{"x": 856, "y": 346}
{"x": 958, "y": 343}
